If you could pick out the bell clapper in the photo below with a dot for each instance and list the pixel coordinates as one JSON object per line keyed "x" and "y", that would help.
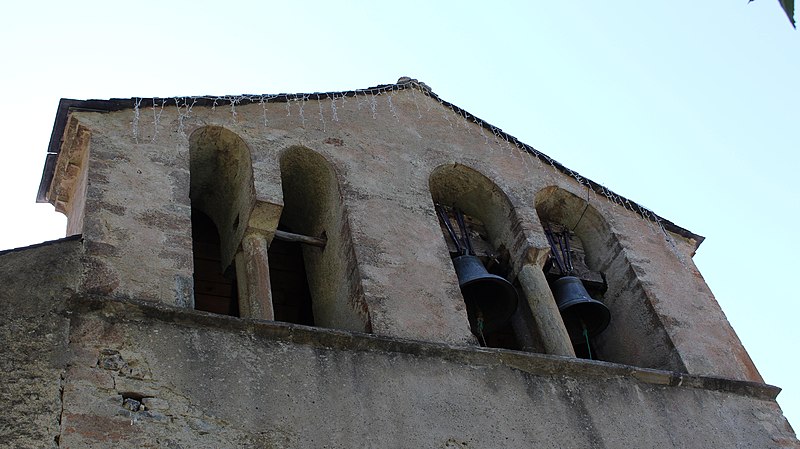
{"x": 586, "y": 337}
{"x": 479, "y": 325}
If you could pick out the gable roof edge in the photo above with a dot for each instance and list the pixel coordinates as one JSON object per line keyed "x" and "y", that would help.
{"x": 65, "y": 106}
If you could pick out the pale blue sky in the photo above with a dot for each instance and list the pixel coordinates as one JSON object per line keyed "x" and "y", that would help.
{"x": 689, "y": 108}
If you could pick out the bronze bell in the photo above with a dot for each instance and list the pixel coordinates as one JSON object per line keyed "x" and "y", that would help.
{"x": 487, "y": 296}
{"x": 579, "y": 310}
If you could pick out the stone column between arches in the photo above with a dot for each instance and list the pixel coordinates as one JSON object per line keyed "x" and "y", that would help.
{"x": 551, "y": 329}
{"x": 252, "y": 262}
{"x": 252, "y": 273}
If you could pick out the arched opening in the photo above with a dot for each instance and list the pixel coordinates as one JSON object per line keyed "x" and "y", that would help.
{"x": 313, "y": 284}
{"x": 490, "y": 227}
{"x": 633, "y": 336}
{"x": 291, "y": 298}
{"x": 214, "y": 290}
{"x": 221, "y": 193}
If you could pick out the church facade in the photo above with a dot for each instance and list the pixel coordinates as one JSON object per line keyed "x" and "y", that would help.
{"x": 288, "y": 271}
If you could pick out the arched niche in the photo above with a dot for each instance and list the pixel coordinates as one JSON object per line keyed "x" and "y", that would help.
{"x": 313, "y": 207}
{"x": 222, "y": 183}
{"x": 222, "y": 197}
{"x": 489, "y": 209}
{"x": 635, "y": 335}
{"x": 469, "y": 190}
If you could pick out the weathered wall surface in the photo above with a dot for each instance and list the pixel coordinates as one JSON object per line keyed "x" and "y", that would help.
{"x": 33, "y": 340}
{"x": 101, "y": 347}
{"x": 138, "y": 223}
{"x": 197, "y": 380}
{"x": 384, "y": 148}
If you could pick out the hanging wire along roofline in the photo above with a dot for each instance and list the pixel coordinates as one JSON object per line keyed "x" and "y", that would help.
{"x": 65, "y": 106}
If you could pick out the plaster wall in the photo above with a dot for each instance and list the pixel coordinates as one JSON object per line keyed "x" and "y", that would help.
{"x": 228, "y": 383}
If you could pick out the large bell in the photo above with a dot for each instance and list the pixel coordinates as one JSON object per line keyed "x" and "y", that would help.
{"x": 579, "y": 310}
{"x": 488, "y": 296}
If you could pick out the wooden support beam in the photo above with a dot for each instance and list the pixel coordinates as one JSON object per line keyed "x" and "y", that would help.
{"x": 291, "y": 237}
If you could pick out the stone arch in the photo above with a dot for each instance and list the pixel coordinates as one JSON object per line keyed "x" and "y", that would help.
{"x": 635, "y": 335}
{"x": 313, "y": 207}
{"x": 473, "y": 192}
{"x": 221, "y": 175}
{"x": 222, "y": 197}
{"x": 489, "y": 207}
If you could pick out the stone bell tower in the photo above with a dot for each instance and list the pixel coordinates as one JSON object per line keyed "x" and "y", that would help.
{"x": 284, "y": 271}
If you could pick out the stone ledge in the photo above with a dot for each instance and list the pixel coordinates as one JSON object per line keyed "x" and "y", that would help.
{"x": 119, "y": 309}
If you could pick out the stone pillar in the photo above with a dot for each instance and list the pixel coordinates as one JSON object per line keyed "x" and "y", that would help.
{"x": 552, "y": 332}
{"x": 252, "y": 273}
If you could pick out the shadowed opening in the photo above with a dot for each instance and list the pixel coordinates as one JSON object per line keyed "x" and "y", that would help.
{"x": 490, "y": 221}
{"x": 222, "y": 197}
{"x": 214, "y": 290}
{"x": 313, "y": 285}
{"x": 634, "y": 335}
